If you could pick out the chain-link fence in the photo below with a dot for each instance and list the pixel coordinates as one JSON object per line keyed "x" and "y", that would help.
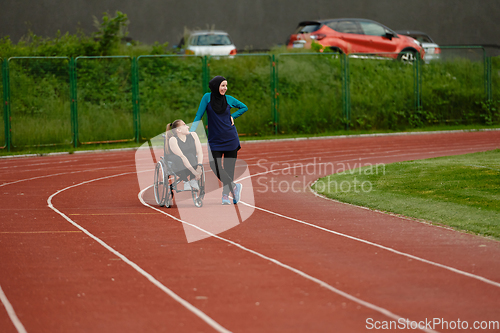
{"x": 60, "y": 100}
{"x": 4, "y": 107}
{"x": 310, "y": 93}
{"x": 104, "y": 90}
{"x": 454, "y": 86}
{"x": 382, "y": 91}
{"x": 250, "y": 81}
{"x": 170, "y": 88}
{"x": 494, "y": 91}
{"x": 40, "y": 111}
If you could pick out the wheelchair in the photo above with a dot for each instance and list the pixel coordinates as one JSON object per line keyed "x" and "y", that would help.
{"x": 166, "y": 183}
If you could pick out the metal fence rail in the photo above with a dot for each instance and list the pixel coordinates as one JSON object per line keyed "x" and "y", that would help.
{"x": 74, "y": 101}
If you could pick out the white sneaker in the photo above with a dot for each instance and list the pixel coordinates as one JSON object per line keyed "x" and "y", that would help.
{"x": 194, "y": 184}
{"x": 187, "y": 187}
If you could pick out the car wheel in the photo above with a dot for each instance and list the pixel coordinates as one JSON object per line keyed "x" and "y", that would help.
{"x": 335, "y": 49}
{"x": 408, "y": 56}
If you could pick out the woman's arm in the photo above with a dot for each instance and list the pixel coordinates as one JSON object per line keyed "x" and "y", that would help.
{"x": 174, "y": 148}
{"x": 236, "y": 104}
{"x": 199, "y": 150}
{"x": 201, "y": 111}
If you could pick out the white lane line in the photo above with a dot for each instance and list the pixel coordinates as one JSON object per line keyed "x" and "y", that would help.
{"x": 157, "y": 283}
{"x": 455, "y": 270}
{"x": 323, "y": 284}
{"x": 62, "y": 173}
{"x": 12, "y": 314}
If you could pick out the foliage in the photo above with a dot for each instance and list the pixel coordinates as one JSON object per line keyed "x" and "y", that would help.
{"x": 309, "y": 89}
{"x": 110, "y": 31}
{"x": 459, "y": 191}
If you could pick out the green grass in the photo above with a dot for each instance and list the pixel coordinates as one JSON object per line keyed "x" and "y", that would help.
{"x": 462, "y": 192}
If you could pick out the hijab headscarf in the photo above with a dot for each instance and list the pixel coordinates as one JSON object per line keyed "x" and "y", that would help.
{"x": 218, "y": 102}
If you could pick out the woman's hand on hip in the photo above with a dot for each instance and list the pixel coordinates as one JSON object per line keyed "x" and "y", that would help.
{"x": 232, "y": 121}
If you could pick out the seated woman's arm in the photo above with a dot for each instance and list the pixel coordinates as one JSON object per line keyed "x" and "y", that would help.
{"x": 199, "y": 150}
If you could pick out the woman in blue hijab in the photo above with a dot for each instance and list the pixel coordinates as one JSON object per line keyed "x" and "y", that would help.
{"x": 222, "y": 135}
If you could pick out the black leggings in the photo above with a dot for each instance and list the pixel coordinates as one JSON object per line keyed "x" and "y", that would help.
{"x": 223, "y": 164}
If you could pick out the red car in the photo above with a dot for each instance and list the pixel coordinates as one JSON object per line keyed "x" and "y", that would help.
{"x": 355, "y": 36}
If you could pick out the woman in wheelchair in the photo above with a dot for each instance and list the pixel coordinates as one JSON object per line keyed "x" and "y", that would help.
{"x": 183, "y": 148}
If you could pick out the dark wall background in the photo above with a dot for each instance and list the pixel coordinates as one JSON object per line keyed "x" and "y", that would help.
{"x": 257, "y": 24}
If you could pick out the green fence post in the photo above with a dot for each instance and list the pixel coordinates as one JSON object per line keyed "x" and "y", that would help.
{"x": 73, "y": 98}
{"x": 6, "y": 104}
{"x": 135, "y": 99}
{"x": 206, "y": 73}
{"x": 416, "y": 86}
{"x": 489, "y": 94}
{"x": 346, "y": 92}
{"x": 274, "y": 92}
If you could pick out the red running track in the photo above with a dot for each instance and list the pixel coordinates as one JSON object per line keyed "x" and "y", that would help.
{"x": 81, "y": 252}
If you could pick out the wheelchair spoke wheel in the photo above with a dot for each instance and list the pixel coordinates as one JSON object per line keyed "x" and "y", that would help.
{"x": 169, "y": 194}
{"x": 160, "y": 187}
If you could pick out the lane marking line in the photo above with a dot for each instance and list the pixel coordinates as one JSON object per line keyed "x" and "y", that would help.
{"x": 455, "y": 270}
{"x": 61, "y": 173}
{"x": 136, "y": 267}
{"x": 290, "y": 268}
{"x": 12, "y": 314}
{"x": 37, "y": 232}
{"x": 111, "y": 214}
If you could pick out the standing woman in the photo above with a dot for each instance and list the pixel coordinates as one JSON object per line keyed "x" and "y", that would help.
{"x": 222, "y": 135}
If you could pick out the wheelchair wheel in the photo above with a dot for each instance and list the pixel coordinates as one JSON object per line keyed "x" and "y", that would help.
{"x": 170, "y": 193}
{"x": 198, "y": 195}
{"x": 160, "y": 184}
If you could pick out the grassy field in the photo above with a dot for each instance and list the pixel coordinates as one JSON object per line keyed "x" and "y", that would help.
{"x": 462, "y": 192}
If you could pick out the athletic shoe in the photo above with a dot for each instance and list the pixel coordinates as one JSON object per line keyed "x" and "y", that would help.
{"x": 187, "y": 187}
{"x": 237, "y": 193}
{"x": 225, "y": 200}
{"x": 194, "y": 184}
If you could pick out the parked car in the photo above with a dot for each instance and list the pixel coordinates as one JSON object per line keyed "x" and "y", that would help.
{"x": 355, "y": 36}
{"x": 208, "y": 42}
{"x": 432, "y": 50}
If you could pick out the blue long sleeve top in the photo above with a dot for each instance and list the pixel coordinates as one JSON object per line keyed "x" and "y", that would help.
{"x": 222, "y": 136}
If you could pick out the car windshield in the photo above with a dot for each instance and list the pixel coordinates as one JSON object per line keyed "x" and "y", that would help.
{"x": 307, "y": 28}
{"x": 209, "y": 40}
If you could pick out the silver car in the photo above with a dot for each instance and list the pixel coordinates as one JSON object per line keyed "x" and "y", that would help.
{"x": 432, "y": 50}
{"x": 208, "y": 42}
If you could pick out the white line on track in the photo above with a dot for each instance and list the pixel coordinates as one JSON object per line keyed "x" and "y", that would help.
{"x": 454, "y": 270}
{"x": 136, "y": 267}
{"x": 323, "y": 284}
{"x": 62, "y": 173}
{"x": 195, "y": 310}
{"x": 12, "y": 314}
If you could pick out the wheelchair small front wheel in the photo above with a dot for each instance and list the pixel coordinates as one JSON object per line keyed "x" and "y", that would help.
{"x": 198, "y": 203}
